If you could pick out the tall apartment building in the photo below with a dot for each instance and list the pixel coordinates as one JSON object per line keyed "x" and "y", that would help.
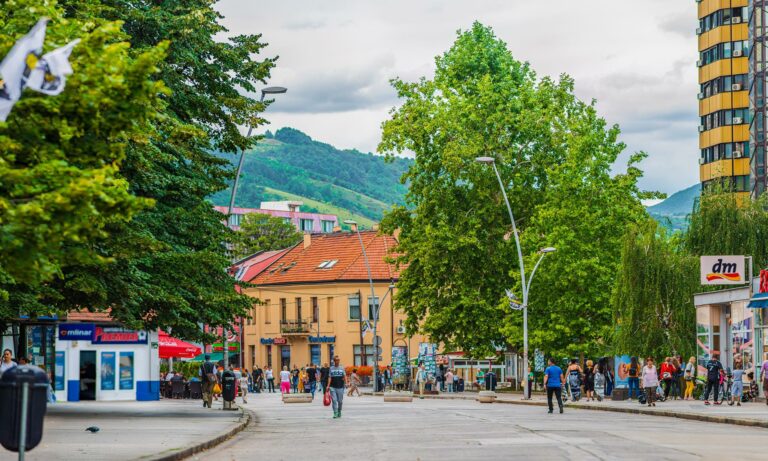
{"x": 758, "y": 108}
{"x": 724, "y": 97}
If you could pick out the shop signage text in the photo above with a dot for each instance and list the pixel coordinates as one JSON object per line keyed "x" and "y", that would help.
{"x": 75, "y": 332}
{"x": 322, "y": 339}
{"x": 118, "y": 335}
{"x": 722, "y": 270}
{"x": 274, "y": 340}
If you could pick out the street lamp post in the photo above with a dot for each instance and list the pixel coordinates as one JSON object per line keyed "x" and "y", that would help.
{"x": 264, "y": 92}
{"x": 375, "y": 307}
{"x": 543, "y": 252}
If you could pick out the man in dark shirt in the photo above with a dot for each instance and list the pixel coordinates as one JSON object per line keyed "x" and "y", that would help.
{"x": 312, "y": 378}
{"x": 208, "y": 377}
{"x": 714, "y": 370}
{"x": 258, "y": 379}
{"x": 337, "y": 380}
{"x": 324, "y": 376}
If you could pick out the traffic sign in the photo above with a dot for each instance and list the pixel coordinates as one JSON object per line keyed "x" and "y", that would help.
{"x": 378, "y": 342}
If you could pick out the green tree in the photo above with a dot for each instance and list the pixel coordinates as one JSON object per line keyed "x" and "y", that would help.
{"x": 653, "y": 297}
{"x": 262, "y": 232}
{"x": 169, "y": 263}
{"x": 554, "y": 155}
{"x": 60, "y": 188}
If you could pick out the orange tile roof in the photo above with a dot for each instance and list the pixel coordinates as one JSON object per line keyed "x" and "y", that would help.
{"x": 300, "y": 265}
{"x": 86, "y": 316}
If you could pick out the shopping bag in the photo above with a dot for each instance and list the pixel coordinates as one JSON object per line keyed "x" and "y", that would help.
{"x": 327, "y": 398}
{"x": 217, "y": 388}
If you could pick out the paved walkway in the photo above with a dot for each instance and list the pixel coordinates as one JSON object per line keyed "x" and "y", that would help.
{"x": 447, "y": 430}
{"x": 128, "y": 430}
{"x": 748, "y": 414}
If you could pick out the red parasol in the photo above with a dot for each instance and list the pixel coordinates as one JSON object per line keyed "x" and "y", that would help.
{"x": 176, "y": 348}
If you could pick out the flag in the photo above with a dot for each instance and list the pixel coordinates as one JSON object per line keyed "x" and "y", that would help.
{"x": 48, "y": 76}
{"x": 18, "y": 64}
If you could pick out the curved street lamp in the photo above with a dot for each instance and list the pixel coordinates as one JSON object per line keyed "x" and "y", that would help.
{"x": 526, "y": 286}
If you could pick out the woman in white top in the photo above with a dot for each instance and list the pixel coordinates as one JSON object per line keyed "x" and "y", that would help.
{"x": 285, "y": 381}
{"x": 270, "y": 379}
{"x": 650, "y": 381}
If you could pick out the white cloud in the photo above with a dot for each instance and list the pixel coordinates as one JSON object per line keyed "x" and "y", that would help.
{"x": 336, "y": 57}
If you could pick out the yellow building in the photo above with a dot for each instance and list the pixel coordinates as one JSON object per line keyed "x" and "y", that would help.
{"x": 724, "y": 46}
{"x": 315, "y": 299}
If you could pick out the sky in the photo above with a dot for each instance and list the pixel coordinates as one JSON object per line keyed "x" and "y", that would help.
{"x": 636, "y": 58}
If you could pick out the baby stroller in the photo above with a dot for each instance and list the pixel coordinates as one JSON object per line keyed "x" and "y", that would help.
{"x": 641, "y": 398}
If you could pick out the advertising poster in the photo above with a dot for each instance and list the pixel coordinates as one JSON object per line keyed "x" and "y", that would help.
{"x": 427, "y": 354}
{"x": 58, "y": 372}
{"x": 107, "y": 371}
{"x": 621, "y": 372}
{"x": 126, "y": 371}
{"x": 401, "y": 370}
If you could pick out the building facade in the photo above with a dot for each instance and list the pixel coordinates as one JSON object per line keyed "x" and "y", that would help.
{"x": 315, "y": 302}
{"x": 758, "y": 107}
{"x": 724, "y": 45}
{"x": 289, "y": 211}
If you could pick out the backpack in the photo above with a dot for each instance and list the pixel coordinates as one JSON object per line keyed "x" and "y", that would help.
{"x": 209, "y": 375}
{"x": 633, "y": 371}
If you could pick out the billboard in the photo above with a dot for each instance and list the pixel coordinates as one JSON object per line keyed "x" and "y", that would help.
{"x": 722, "y": 270}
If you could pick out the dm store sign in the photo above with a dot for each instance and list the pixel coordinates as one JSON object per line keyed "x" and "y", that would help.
{"x": 722, "y": 270}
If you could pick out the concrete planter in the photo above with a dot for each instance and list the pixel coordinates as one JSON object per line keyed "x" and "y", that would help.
{"x": 395, "y": 396}
{"x": 297, "y": 398}
{"x": 486, "y": 397}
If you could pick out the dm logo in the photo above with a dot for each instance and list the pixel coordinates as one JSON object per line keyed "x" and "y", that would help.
{"x": 722, "y": 270}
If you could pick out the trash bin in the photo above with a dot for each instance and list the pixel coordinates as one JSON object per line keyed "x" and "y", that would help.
{"x": 461, "y": 385}
{"x": 490, "y": 381}
{"x": 11, "y": 388}
{"x": 228, "y": 386}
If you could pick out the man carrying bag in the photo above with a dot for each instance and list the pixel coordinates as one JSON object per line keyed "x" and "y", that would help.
{"x": 208, "y": 378}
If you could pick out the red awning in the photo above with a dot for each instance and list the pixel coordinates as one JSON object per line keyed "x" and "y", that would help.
{"x": 175, "y": 348}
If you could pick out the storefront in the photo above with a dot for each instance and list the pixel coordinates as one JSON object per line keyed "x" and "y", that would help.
{"x": 105, "y": 362}
{"x": 725, "y": 324}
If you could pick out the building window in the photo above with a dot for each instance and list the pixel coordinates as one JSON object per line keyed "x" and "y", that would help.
{"x": 287, "y": 220}
{"x": 298, "y": 309}
{"x": 371, "y": 308}
{"x": 354, "y": 308}
{"x": 725, "y": 118}
{"x": 234, "y": 219}
{"x": 252, "y": 353}
{"x": 314, "y": 354}
{"x": 315, "y": 310}
{"x": 327, "y": 226}
{"x": 724, "y": 51}
{"x": 283, "y": 311}
{"x": 269, "y": 356}
{"x": 359, "y": 358}
{"x": 306, "y": 225}
{"x": 267, "y": 311}
{"x": 329, "y": 309}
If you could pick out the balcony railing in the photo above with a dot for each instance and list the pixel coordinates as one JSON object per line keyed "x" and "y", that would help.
{"x": 296, "y": 327}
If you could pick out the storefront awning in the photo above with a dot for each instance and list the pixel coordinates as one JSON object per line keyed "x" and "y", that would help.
{"x": 758, "y": 301}
{"x": 176, "y": 348}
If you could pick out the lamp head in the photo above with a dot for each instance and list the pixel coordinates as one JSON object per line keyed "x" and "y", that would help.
{"x": 274, "y": 90}
{"x": 486, "y": 160}
{"x": 548, "y": 250}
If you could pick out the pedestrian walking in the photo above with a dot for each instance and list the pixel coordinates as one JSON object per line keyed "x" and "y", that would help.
{"x": 209, "y": 379}
{"x": 421, "y": 379}
{"x": 270, "y": 379}
{"x": 312, "y": 379}
{"x": 689, "y": 375}
{"x": 650, "y": 381}
{"x": 324, "y": 370}
{"x": 302, "y": 380}
{"x": 677, "y": 376}
{"x": 737, "y": 387}
{"x": 553, "y": 381}
{"x": 530, "y": 382}
{"x": 295, "y": 379}
{"x": 388, "y": 378}
{"x": 589, "y": 381}
{"x": 285, "y": 381}
{"x": 667, "y": 376}
{"x": 449, "y": 381}
{"x": 599, "y": 381}
{"x": 714, "y": 374}
{"x": 764, "y": 374}
{"x": 337, "y": 379}
{"x": 354, "y": 383}
{"x": 633, "y": 377}
{"x": 244, "y": 386}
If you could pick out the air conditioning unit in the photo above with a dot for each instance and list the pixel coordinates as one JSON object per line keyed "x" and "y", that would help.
{"x": 736, "y": 87}
{"x": 700, "y": 95}
{"x": 737, "y": 53}
{"x": 698, "y": 31}
{"x": 701, "y": 161}
{"x": 736, "y": 20}
{"x": 699, "y": 63}
{"x": 701, "y": 128}
{"x": 401, "y": 330}
{"x": 738, "y": 120}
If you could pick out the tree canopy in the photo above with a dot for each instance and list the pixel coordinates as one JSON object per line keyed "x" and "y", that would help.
{"x": 554, "y": 155}
{"x": 262, "y": 232}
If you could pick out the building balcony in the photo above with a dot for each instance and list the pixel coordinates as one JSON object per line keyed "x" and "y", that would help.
{"x": 296, "y": 327}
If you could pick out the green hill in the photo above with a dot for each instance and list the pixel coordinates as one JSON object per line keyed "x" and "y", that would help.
{"x": 290, "y": 164}
{"x": 673, "y": 211}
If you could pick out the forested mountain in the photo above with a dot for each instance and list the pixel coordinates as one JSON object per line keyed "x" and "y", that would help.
{"x": 673, "y": 212}
{"x": 290, "y": 164}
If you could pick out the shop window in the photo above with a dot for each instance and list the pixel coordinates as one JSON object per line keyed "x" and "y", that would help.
{"x": 269, "y": 356}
